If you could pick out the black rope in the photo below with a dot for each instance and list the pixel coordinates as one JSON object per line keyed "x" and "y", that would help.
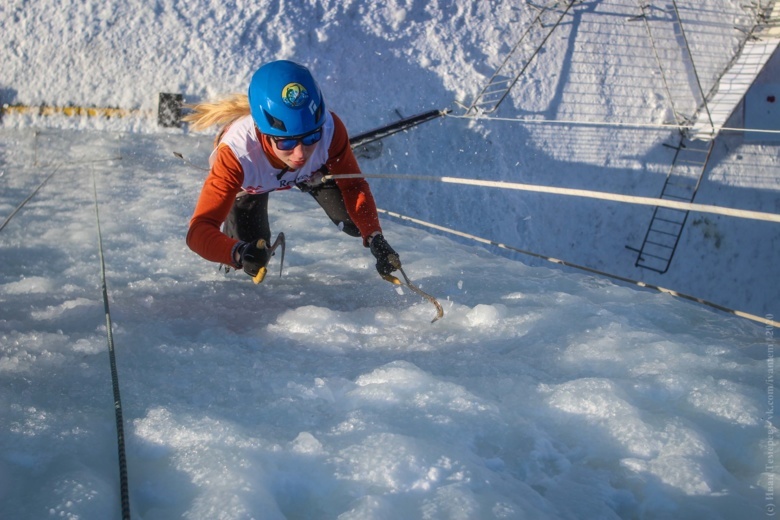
{"x": 120, "y": 433}
{"x": 394, "y": 128}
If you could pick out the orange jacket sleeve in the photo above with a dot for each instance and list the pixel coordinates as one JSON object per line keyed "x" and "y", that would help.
{"x": 356, "y": 192}
{"x": 216, "y": 199}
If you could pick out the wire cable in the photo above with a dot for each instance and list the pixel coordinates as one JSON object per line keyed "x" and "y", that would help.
{"x": 621, "y": 124}
{"x": 25, "y": 201}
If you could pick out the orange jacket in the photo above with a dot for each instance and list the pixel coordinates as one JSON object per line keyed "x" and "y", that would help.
{"x": 225, "y": 180}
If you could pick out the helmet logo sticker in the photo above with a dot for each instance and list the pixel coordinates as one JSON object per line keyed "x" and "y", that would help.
{"x": 294, "y": 95}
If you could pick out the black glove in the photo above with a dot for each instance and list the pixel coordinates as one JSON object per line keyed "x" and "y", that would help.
{"x": 252, "y": 256}
{"x": 387, "y": 259}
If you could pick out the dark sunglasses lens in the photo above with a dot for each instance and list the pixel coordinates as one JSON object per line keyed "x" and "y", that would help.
{"x": 290, "y": 143}
{"x": 286, "y": 144}
{"x": 312, "y": 138}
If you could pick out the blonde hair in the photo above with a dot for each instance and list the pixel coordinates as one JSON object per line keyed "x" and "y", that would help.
{"x": 221, "y": 112}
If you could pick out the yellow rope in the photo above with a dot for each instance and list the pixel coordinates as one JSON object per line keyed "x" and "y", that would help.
{"x": 71, "y": 111}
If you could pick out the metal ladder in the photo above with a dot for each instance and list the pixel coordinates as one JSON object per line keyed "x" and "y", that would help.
{"x": 682, "y": 183}
{"x": 686, "y": 97}
{"x": 548, "y": 18}
{"x": 675, "y": 62}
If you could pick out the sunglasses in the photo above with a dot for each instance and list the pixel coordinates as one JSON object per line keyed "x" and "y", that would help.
{"x": 289, "y": 143}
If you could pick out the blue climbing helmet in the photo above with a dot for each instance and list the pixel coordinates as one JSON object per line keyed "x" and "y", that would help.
{"x": 284, "y": 100}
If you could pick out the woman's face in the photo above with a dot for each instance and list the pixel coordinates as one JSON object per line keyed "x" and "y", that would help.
{"x": 295, "y": 158}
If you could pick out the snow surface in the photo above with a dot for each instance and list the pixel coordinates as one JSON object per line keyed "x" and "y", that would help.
{"x": 327, "y": 393}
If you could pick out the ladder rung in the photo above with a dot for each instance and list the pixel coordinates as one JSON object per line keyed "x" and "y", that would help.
{"x": 674, "y": 188}
{"x": 488, "y": 92}
{"x": 672, "y": 222}
{"x": 668, "y": 221}
{"x": 683, "y": 199}
{"x": 665, "y": 259}
{"x": 666, "y": 242}
{"x": 500, "y": 81}
{"x": 667, "y": 233}
{"x": 680, "y": 186}
{"x": 663, "y": 246}
{"x": 669, "y": 212}
{"x": 680, "y": 180}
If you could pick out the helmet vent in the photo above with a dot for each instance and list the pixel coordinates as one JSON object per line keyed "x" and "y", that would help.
{"x": 274, "y": 122}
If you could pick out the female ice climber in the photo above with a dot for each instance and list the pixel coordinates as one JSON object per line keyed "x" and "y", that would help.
{"x": 278, "y": 137}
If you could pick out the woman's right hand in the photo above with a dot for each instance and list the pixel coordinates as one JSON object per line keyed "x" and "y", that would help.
{"x": 251, "y": 256}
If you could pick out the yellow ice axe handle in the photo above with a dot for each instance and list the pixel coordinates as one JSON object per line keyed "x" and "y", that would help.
{"x": 260, "y": 276}
{"x": 392, "y": 279}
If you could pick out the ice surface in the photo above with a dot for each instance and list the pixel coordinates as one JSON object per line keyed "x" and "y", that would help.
{"x": 327, "y": 393}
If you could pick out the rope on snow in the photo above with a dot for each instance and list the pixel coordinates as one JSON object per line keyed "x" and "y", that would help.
{"x": 120, "y": 433}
